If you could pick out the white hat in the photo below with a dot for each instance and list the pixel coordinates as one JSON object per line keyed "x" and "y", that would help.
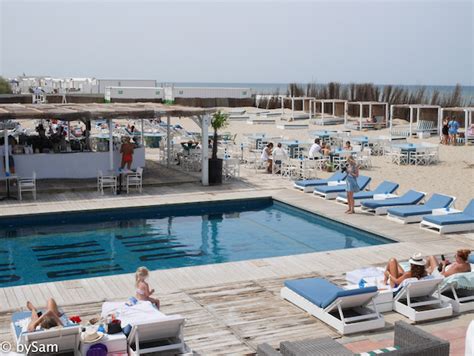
{"x": 417, "y": 259}
{"x": 91, "y": 335}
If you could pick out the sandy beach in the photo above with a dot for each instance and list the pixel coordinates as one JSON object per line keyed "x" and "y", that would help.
{"x": 453, "y": 175}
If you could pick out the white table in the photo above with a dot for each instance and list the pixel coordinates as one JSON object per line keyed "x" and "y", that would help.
{"x": 336, "y": 183}
{"x": 116, "y": 344}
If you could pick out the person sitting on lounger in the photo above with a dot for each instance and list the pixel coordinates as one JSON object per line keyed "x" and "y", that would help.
{"x": 446, "y": 269}
{"x": 143, "y": 291}
{"x": 395, "y": 275}
{"x": 47, "y": 320}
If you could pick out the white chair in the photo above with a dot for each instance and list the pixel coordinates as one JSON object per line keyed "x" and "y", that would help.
{"x": 231, "y": 168}
{"x": 103, "y": 181}
{"x": 135, "y": 180}
{"x": 27, "y": 185}
{"x": 308, "y": 170}
{"x": 364, "y": 159}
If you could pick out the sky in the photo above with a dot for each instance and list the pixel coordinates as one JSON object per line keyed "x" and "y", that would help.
{"x": 418, "y": 42}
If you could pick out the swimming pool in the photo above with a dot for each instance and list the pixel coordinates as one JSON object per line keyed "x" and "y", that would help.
{"x": 89, "y": 244}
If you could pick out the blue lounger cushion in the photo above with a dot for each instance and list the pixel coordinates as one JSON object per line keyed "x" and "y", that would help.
{"x": 409, "y": 198}
{"x": 316, "y": 182}
{"x": 386, "y": 187}
{"x": 322, "y": 292}
{"x": 466, "y": 217}
{"x": 437, "y": 201}
{"x": 362, "y": 182}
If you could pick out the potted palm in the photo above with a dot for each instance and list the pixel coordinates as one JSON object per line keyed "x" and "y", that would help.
{"x": 219, "y": 121}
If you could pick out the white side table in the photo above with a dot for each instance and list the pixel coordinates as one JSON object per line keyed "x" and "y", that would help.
{"x": 116, "y": 344}
{"x": 384, "y": 196}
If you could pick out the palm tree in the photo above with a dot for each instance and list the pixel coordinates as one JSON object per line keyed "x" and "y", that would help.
{"x": 219, "y": 121}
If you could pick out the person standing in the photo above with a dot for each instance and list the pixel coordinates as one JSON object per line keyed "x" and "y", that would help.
{"x": 126, "y": 150}
{"x": 267, "y": 156}
{"x": 445, "y": 132}
{"x": 453, "y": 126}
{"x": 352, "y": 187}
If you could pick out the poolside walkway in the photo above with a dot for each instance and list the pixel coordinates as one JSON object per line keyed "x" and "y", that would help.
{"x": 232, "y": 307}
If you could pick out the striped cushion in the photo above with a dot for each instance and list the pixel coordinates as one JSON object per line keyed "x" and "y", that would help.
{"x": 379, "y": 351}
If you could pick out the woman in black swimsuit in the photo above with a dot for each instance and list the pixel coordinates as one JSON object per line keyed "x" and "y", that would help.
{"x": 445, "y": 131}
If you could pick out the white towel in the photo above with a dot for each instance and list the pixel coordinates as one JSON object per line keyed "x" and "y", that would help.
{"x": 130, "y": 315}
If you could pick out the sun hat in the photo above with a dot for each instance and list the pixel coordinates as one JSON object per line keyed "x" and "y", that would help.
{"x": 91, "y": 335}
{"x": 417, "y": 259}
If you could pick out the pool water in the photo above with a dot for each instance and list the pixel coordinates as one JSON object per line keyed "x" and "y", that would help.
{"x": 80, "y": 245}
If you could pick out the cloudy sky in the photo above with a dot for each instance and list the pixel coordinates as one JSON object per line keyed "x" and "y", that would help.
{"x": 404, "y": 42}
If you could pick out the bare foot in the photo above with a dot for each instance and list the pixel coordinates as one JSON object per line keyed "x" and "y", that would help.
{"x": 350, "y": 212}
{"x": 30, "y": 305}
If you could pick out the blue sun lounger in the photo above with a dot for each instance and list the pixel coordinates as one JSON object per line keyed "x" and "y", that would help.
{"x": 308, "y": 185}
{"x": 451, "y": 222}
{"x": 386, "y": 187}
{"x": 344, "y": 309}
{"x": 331, "y": 191}
{"x": 380, "y": 207}
{"x": 415, "y": 213}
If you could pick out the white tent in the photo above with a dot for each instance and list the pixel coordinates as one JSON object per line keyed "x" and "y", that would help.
{"x": 415, "y": 107}
{"x": 334, "y": 102}
{"x": 371, "y": 105}
{"x": 467, "y": 118}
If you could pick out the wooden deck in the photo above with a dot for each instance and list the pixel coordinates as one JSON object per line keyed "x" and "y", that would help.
{"x": 231, "y": 307}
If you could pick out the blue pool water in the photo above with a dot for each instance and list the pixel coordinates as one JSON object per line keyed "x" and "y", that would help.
{"x": 68, "y": 246}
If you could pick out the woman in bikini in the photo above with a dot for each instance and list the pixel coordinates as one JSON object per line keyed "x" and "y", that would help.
{"x": 143, "y": 291}
{"x": 47, "y": 320}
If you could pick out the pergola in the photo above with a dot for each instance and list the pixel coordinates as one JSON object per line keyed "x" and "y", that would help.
{"x": 371, "y": 105}
{"x": 419, "y": 108}
{"x": 303, "y": 99}
{"x": 109, "y": 112}
{"x": 334, "y": 102}
{"x": 467, "y": 118}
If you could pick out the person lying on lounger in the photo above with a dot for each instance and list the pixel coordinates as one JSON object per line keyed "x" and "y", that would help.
{"x": 395, "y": 274}
{"x": 143, "y": 291}
{"x": 49, "y": 319}
{"x": 446, "y": 269}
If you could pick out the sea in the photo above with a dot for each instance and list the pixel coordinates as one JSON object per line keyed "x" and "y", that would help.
{"x": 271, "y": 88}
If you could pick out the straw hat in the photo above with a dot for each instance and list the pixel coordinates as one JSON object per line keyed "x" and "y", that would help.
{"x": 417, "y": 259}
{"x": 91, "y": 335}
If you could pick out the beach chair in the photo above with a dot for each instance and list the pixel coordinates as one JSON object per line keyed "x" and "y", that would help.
{"x": 67, "y": 338}
{"x": 106, "y": 181}
{"x": 458, "y": 290}
{"x": 332, "y": 190}
{"x": 415, "y": 213}
{"x": 162, "y": 335}
{"x": 135, "y": 180}
{"x": 27, "y": 185}
{"x": 346, "y": 311}
{"x": 380, "y": 207}
{"x": 420, "y": 300}
{"x": 451, "y": 222}
{"x": 308, "y": 185}
{"x": 386, "y": 187}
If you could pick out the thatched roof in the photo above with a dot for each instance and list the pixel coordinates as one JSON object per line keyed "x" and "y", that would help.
{"x": 97, "y": 111}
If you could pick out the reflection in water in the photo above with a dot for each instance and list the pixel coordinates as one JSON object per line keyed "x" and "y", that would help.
{"x": 348, "y": 243}
{"x": 211, "y": 248}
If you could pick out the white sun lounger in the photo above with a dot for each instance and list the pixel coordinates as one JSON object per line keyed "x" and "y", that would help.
{"x": 416, "y": 300}
{"x": 346, "y": 311}
{"x": 158, "y": 336}
{"x": 458, "y": 290}
{"x": 451, "y": 222}
{"x": 67, "y": 338}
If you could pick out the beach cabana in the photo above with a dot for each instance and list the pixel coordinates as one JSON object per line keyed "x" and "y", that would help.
{"x": 305, "y": 104}
{"x": 87, "y": 164}
{"x": 458, "y": 113}
{"x": 373, "y": 109}
{"x": 336, "y": 114}
{"x": 424, "y": 113}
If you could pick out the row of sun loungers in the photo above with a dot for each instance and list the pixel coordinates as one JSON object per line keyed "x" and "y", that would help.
{"x": 351, "y": 310}
{"x": 435, "y": 214}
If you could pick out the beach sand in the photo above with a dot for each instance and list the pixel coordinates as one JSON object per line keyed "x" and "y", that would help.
{"x": 453, "y": 175}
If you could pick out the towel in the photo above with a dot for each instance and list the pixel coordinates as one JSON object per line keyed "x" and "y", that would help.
{"x": 130, "y": 315}
{"x": 459, "y": 281}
